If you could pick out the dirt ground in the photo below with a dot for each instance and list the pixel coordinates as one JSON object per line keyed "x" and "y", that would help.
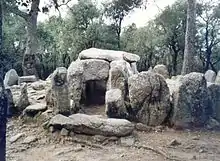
{"x": 157, "y": 145}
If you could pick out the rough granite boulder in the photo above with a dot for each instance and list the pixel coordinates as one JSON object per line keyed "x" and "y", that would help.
{"x": 60, "y": 91}
{"x": 217, "y": 80}
{"x": 161, "y": 69}
{"x": 93, "y": 125}
{"x": 11, "y": 78}
{"x": 115, "y": 107}
{"x": 191, "y": 102}
{"x": 119, "y": 73}
{"x": 149, "y": 98}
{"x": 23, "y": 100}
{"x": 108, "y": 55}
{"x": 210, "y": 76}
{"x": 214, "y": 96}
{"x": 95, "y": 69}
{"x": 75, "y": 81}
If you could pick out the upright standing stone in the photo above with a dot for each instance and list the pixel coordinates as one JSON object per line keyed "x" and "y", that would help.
{"x": 217, "y": 80}
{"x": 161, "y": 69}
{"x": 61, "y": 91}
{"x": 191, "y": 102}
{"x": 11, "y": 78}
{"x": 210, "y": 76}
{"x": 149, "y": 97}
{"x": 23, "y": 101}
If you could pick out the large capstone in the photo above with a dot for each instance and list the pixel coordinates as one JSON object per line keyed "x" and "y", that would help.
{"x": 11, "y": 78}
{"x": 210, "y": 76}
{"x": 149, "y": 98}
{"x": 191, "y": 102}
{"x": 115, "y": 107}
{"x": 108, "y": 55}
{"x": 61, "y": 91}
{"x": 27, "y": 79}
{"x": 92, "y": 125}
{"x": 161, "y": 69}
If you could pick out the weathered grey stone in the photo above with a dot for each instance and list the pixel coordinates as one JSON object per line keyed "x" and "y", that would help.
{"x": 64, "y": 132}
{"x": 210, "y": 76}
{"x": 16, "y": 137}
{"x": 39, "y": 85}
{"x": 11, "y": 78}
{"x": 149, "y": 98}
{"x": 23, "y": 100}
{"x": 108, "y": 55}
{"x": 143, "y": 127}
{"x": 114, "y": 101}
{"x": 191, "y": 102}
{"x": 217, "y": 80}
{"x": 134, "y": 67}
{"x": 75, "y": 80}
{"x": 93, "y": 125}
{"x": 127, "y": 141}
{"x": 119, "y": 73}
{"x": 212, "y": 124}
{"x": 27, "y": 79}
{"x": 60, "y": 91}
{"x": 29, "y": 139}
{"x": 94, "y": 69}
{"x": 11, "y": 106}
{"x": 214, "y": 96}
{"x": 34, "y": 109}
{"x": 161, "y": 69}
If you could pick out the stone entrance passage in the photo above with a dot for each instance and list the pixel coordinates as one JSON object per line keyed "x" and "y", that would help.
{"x": 95, "y": 92}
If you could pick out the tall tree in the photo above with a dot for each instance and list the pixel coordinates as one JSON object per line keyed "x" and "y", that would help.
{"x": 117, "y": 10}
{"x": 29, "y": 64}
{"x": 3, "y": 99}
{"x": 189, "y": 64}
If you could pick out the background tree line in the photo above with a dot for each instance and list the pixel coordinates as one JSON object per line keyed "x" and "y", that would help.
{"x": 162, "y": 40}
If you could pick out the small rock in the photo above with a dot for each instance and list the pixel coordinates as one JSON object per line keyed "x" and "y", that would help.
{"x": 29, "y": 139}
{"x": 78, "y": 148}
{"x": 64, "y": 132}
{"x": 34, "y": 109}
{"x": 142, "y": 127}
{"x": 194, "y": 157}
{"x": 201, "y": 151}
{"x": 99, "y": 138}
{"x": 195, "y": 138}
{"x": 174, "y": 142}
{"x": 127, "y": 141}
{"x": 51, "y": 129}
{"x": 113, "y": 138}
{"x": 16, "y": 137}
{"x": 213, "y": 124}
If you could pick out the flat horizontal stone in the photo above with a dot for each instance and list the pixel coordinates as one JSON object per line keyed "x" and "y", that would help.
{"x": 27, "y": 79}
{"x": 108, "y": 55}
{"x": 93, "y": 125}
{"x": 34, "y": 109}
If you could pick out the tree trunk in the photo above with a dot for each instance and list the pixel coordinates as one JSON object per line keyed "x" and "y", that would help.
{"x": 29, "y": 64}
{"x": 3, "y": 99}
{"x": 189, "y": 52}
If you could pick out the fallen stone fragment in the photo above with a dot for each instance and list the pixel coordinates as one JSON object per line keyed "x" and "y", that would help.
{"x": 93, "y": 125}
{"x": 29, "y": 139}
{"x": 143, "y": 127}
{"x": 16, "y": 137}
{"x": 174, "y": 142}
{"x": 64, "y": 132}
{"x": 34, "y": 109}
{"x": 127, "y": 141}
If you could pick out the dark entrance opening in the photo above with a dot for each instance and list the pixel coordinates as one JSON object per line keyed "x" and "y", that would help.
{"x": 95, "y": 92}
